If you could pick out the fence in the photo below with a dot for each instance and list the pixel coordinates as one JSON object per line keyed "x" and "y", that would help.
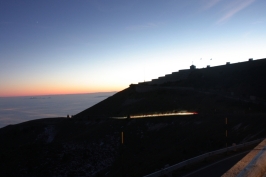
{"x": 172, "y": 168}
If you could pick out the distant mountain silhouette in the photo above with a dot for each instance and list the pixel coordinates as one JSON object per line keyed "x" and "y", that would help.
{"x": 94, "y": 144}
{"x": 217, "y": 89}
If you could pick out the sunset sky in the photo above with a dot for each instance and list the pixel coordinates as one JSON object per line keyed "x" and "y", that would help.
{"x": 84, "y": 46}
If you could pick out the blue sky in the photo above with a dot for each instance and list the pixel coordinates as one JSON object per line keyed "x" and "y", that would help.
{"x": 84, "y": 46}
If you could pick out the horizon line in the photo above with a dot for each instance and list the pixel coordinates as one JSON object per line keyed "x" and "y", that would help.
{"x": 56, "y": 94}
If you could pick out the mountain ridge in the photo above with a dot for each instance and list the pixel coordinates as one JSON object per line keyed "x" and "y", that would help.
{"x": 93, "y": 144}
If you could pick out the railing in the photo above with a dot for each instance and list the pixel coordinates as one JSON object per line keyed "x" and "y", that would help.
{"x": 255, "y": 163}
{"x": 177, "y": 166}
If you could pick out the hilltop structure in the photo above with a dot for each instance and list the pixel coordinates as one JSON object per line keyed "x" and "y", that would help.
{"x": 183, "y": 74}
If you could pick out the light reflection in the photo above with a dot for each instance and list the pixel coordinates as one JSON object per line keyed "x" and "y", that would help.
{"x": 157, "y": 115}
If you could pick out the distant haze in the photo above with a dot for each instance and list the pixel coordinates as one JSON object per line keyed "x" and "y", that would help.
{"x": 86, "y": 46}
{"x": 15, "y": 110}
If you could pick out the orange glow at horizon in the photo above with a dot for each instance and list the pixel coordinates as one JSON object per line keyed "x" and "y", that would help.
{"x": 36, "y": 91}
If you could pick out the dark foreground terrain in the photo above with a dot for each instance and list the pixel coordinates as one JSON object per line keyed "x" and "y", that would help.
{"x": 69, "y": 147}
{"x": 90, "y": 143}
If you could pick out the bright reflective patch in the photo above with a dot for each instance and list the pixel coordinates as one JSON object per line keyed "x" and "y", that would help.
{"x": 158, "y": 115}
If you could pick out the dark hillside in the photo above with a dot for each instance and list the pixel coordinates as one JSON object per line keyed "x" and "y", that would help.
{"x": 167, "y": 100}
{"x": 70, "y": 147}
{"x": 242, "y": 79}
{"x": 234, "y": 88}
{"x": 90, "y": 144}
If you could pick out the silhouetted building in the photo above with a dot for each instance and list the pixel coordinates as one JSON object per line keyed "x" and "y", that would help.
{"x": 192, "y": 67}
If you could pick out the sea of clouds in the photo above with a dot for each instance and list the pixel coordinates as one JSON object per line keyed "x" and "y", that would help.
{"x": 15, "y": 110}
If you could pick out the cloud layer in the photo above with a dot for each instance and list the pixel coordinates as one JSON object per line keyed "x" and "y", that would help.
{"x": 233, "y": 8}
{"x": 209, "y": 3}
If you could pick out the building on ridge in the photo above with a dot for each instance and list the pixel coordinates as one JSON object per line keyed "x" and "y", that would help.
{"x": 192, "y": 67}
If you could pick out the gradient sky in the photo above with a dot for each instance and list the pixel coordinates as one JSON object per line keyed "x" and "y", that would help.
{"x": 84, "y": 46}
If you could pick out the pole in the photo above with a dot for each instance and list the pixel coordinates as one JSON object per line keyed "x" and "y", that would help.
{"x": 226, "y": 132}
{"x": 122, "y": 137}
{"x": 122, "y": 148}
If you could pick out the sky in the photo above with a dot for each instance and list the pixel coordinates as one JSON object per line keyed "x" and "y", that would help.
{"x": 85, "y": 46}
